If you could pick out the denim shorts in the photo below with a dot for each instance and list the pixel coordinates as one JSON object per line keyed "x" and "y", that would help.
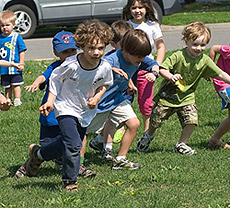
{"x": 186, "y": 114}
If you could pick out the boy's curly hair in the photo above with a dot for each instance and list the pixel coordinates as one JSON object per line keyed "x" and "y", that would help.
{"x": 89, "y": 30}
{"x": 195, "y": 30}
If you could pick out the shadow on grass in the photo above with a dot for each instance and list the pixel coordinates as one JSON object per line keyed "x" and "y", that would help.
{"x": 45, "y": 185}
{"x": 43, "y": 171}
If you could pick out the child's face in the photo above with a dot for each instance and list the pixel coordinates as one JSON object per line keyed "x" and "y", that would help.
{"x": 66, "y": 53}
{"x": 134, "y": 60}
{"x": 196, "y": 47}
{"x": 6, "y": 27}
{"x": 138, "y": 12}
{"x": 93, "y": 53}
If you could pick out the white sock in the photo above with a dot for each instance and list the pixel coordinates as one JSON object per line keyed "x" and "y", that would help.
{"x": 17, "y": 99}
{"x": 39, "y": 155}
{"x": 121, "y": 157}
{"x": 108, "y": 146}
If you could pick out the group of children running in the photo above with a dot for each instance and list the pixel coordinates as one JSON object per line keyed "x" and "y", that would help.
{"x": 89, "y": 92}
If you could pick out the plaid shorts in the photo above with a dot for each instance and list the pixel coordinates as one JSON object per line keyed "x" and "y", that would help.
{"x": 186, "y": 114}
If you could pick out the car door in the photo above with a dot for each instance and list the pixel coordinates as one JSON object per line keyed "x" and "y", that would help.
{"x": 59, "y": 9}
{"x": 107, "y": 8}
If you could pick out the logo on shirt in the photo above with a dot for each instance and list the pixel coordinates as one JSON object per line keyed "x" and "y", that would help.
{"x": 97, "y": 80}
{"x": 10, "y": 46}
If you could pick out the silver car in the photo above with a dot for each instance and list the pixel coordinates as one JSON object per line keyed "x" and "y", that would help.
{"x": 33, "y": 13}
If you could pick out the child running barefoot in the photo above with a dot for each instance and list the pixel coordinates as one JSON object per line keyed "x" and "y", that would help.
{"x": 182, "y": 72}
{"x": 223, "y": 90}
{"x": 140, "y": 14}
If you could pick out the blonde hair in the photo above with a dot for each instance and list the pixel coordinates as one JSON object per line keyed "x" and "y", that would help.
{"x": 7, "y": 14}
{"x": 195, "y": 30}
{"x": 89, "y": 30}
{"x": 136, "y": 43}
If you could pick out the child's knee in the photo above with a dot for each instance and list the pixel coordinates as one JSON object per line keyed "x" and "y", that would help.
{"x": 133, "y": 123}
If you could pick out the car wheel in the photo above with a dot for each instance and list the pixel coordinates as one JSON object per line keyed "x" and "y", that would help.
{"x": 157, "y": 11}
{"x": 26, "y": 20}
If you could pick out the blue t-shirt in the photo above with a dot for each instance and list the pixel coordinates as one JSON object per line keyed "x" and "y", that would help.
{"x": 49, "y": 120}
{"x": 10, "y": 48}
{"x": 114, "y": 94}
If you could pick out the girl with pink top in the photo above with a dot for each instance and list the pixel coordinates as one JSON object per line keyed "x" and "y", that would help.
{"x": 140, "y": 14}
{"x": 223, "y": 90}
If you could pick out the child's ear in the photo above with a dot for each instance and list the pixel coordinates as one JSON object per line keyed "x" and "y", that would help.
{"x": 113, "y": 44}
{"x": 55, "y": 53}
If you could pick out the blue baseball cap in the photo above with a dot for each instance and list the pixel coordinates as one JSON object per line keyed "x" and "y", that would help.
{"x": 63, "y": 40}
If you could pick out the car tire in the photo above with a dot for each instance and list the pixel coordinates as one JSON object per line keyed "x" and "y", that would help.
{"x": 26, "y": 20}
{"x": 157, "y": 11}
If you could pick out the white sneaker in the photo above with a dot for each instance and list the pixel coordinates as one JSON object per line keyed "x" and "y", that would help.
{"x": 17, "y": 103}
{"x": 184, "y": 149}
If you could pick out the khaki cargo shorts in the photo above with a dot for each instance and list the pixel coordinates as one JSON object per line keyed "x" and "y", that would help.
{"x": 186, "y": 114}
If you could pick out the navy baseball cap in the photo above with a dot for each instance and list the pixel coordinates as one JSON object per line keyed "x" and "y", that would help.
{"x": 63, "y": 40}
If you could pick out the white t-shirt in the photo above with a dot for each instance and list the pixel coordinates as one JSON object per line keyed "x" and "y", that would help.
{"x": 152, "y": 29}
{"x": 73, "y": 86}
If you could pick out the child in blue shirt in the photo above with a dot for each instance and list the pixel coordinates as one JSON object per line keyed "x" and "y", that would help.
{"x": 114, "y": 107}
{"x": 13, "y": 50}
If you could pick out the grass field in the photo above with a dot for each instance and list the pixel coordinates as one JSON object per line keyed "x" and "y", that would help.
{"x": 165, "y": 180}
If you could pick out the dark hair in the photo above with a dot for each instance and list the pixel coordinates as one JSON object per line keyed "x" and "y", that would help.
{"x": 195, "y": 30}
{"x": 120, "y": 27}
{"x": 89, "y": 30}
{"x": 126, "y": 13}
{"x": 136, "y": 43}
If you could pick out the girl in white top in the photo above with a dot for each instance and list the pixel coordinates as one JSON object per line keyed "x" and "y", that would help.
{"x": 140, "y": 14}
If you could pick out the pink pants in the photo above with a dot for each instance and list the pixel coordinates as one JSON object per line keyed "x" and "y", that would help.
{"x": 145, "y": 93}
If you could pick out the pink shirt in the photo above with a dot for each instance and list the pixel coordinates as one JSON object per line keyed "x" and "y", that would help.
{"x": 224, "y": 63}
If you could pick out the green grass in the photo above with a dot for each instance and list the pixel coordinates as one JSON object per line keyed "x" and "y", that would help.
{"x": 166, "y": 179}
{"x": 215, "y": 12}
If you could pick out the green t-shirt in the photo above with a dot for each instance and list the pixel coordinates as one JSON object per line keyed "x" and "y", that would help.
{"x": 192, "y": 70}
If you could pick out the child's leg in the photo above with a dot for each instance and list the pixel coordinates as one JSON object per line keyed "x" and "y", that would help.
{"x": 223, "y": 128}
{"x": 145, "y": 97}
{"x": 8, "y": 92}
{"x": 17, "y": 91}
{"x": 186, "y": 133}
{"x": 129, "y": 135}
{"x": 72, "y": 136}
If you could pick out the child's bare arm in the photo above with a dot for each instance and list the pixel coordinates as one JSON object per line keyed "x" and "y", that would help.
{"x": 213, "y": 51}
{"x": 120, "y": 72}
{"x": 8, "y": 64}
{"x": 167, "y": 75}
{"x": 34, "y": 87}
{"x": 131, "y": 87}
{"x": 225, "y": 77}
{"x": 22, "y": 60}
{"x": 47, "y": 107}
{"x": 92, "y": 102}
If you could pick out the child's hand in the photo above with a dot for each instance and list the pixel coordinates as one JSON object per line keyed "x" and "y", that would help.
{"x": 15, "y": 65}
{"x": 5, "y": 106}
{"x": 175, "y": 77}
{"x": 92, "y": 103}
{"x": 33, "y": 87}
{"x": 21, "y": 67}
{"x": 120, "y": 72}
{"x": 132, "y": 90}
{"x": 46, "y": 108}
{"x": 150, "y": 77}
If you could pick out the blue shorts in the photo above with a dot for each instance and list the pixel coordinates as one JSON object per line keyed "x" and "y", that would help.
{"x": 225, "y": 97}
{"x": 8, "y": 80}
